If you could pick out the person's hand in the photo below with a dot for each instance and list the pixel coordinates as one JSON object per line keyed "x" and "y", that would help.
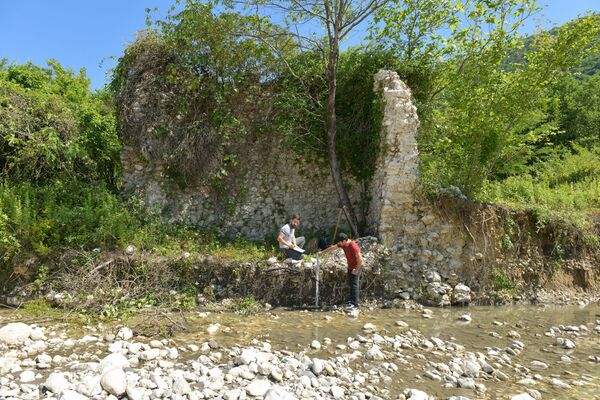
{"x": 354, "y": 271}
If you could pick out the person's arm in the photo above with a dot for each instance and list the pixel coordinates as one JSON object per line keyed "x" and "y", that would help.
{"x": 359, "y": 261}
{"x": 328, "y": 250}
{"x": 280, "y": 239}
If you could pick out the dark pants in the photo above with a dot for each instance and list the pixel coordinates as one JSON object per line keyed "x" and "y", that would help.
{"x": 293, "y": 254}
{"x": 354, "y": 284}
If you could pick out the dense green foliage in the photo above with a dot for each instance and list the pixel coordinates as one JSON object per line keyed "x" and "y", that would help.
{"x": 60, "y": 172}
{"x": 52, "y": 126}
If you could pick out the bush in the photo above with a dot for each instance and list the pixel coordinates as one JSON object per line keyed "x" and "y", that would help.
{"x": 565, "y": 184}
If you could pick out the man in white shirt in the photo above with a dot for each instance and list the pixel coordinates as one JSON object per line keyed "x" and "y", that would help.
{"x": 288, "y": 242}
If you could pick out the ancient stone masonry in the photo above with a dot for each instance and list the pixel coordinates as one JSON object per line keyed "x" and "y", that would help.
{"x": 425, "y": 250}
{"x": 267, "y": 200}
{"x": 438, "y": 249}
{"x": 393, "y": 186}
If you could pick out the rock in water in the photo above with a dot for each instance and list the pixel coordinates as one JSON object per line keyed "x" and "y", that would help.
{"x": 415, "y": 394}
{"x": 461, "y": 294}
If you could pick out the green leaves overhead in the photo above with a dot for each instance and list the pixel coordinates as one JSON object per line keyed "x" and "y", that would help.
{"x": 52, "y": 126}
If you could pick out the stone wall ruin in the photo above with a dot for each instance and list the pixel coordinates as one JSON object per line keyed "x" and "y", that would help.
{"x": 435, "y": 245}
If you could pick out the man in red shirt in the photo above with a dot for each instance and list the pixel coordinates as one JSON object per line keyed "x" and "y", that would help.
{"x": 355, "y": 263}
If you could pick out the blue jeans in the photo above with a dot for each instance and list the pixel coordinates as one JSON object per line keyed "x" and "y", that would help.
{"x": 354, "y": 284}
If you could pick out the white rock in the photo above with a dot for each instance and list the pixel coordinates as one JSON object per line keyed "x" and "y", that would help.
{"x": 461, "y": 294}
{"x": 125, "y": 333}
{"x": 37, "y": 334}
{"x": 135, "y": 393}
{"x": 415, "y": 394}
{"x": 233, "y": 394}
{"x": 150, "y": 354}
{"x": 401, "y": 324}
{"x": 318, "y": 366}
{"x": 56, "y": 383}
{"x": 7, "y": 364}
{"x": 213, "y": 328}
{"x": 522, "y": 396}
{"x": 527, "y": 382}
{"x": 465, "y": 317}
{"x": 258, "y": 388}
{"x": 471, "y": 368}
{"x": 129, "y": 251}
{"x": 375, "y": 353}
{"x": 538, "y": 365}
{"x": 337, "y": 392}
{"x": 181, "y": 386}
{"x": 112, "y": 361}
{"x": 279, "y": 393}
{"x": 558, "y": 383}
{"x": 27, "y": 376}
{"x": 114, "y": 382}
{"x": 15, "y": 333}
{"x": 369, "y": 327}
{"x": 467, "y": 383}
{"x": 315, "y": 344}
{"x": 71, "y": 395}
{"x": 90, "y": 385}
{"x": 565, "y": 343}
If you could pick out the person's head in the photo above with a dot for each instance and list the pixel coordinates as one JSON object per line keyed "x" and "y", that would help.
{"x": 295, "y": 221}
{"x": 342, "y": 240}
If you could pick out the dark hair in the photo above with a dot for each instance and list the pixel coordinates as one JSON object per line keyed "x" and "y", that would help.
{"x": 341, "y": 237}
{"x": 295, "y": 216}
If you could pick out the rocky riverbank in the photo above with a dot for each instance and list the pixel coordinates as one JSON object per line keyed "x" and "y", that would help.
{"x": 381, "y": 358}
{"x": 101, "y": 282}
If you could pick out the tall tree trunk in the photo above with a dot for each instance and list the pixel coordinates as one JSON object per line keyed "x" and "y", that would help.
{"x": 336, "y": 173}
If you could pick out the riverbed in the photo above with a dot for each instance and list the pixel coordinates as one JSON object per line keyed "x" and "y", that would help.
{"x": 550, "y": 352}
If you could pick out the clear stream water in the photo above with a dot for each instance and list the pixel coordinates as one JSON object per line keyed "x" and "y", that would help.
{"x": 295, "y": 330}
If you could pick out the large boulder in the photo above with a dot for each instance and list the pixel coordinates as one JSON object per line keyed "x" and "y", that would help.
{"x": 114, "y": 382}
{"x": 112, "y": 361}
{"x": 15, "y": 333}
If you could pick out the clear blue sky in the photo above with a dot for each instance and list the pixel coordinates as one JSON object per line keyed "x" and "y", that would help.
{"x": 83, "y": 33}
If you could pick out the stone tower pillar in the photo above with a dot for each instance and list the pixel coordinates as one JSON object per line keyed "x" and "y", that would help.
{"x": 395, "y": 181}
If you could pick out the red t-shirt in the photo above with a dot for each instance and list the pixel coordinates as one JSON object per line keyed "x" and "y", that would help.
{"x": 351, "y": 251}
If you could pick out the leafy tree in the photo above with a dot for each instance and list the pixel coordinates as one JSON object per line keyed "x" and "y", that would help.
{"x": 52, "y": 126}
{"x": 337, "y": 18}
{"x": 577, "y": 110}
{"x": 485, "y": 118}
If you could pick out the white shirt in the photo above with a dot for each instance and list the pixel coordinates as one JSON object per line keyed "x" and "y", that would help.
{"x": 288, "y": 235}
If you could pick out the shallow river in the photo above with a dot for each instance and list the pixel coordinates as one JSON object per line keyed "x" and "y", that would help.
{"x": 294, "y": 331}
{"x": 490, "y": 326}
